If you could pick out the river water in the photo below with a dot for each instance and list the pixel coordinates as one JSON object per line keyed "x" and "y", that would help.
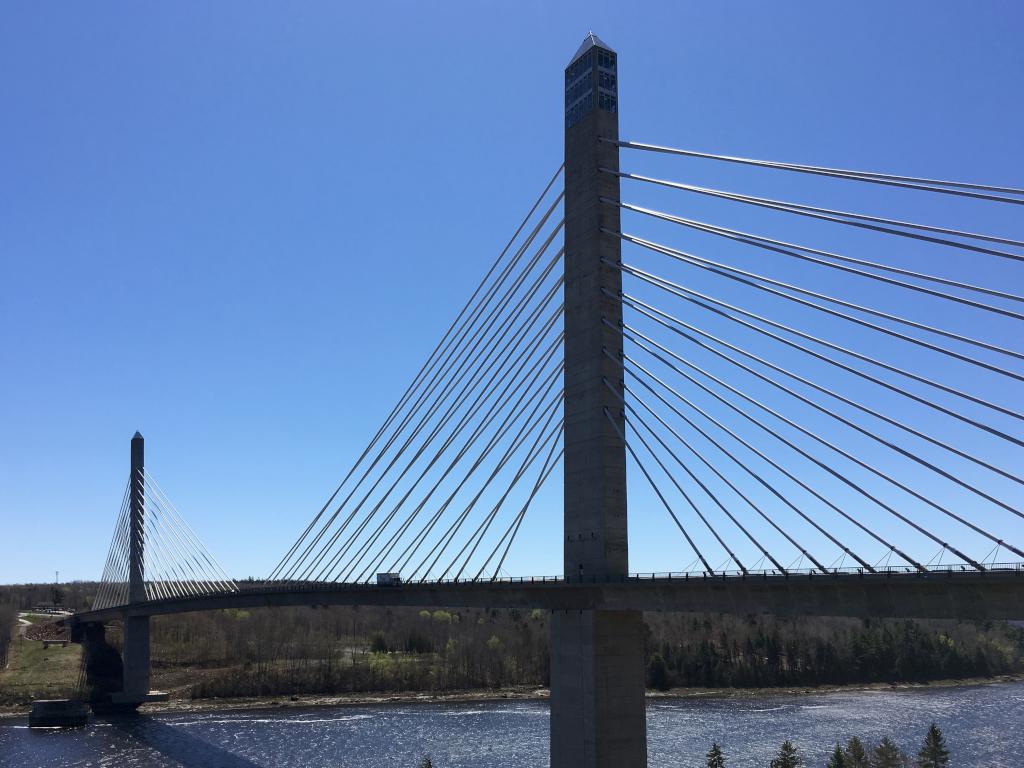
{"x": 984, "y": 726}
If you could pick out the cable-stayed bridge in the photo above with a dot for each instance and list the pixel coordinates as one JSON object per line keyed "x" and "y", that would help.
{"x": 807, "y": 428}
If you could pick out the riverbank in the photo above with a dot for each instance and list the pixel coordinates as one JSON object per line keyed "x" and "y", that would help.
{"x": 977, "y": 720}
{"x": 522, "y": 693}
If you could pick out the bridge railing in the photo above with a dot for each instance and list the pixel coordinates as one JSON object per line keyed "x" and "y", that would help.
{"x": 953, "y": 568}
{"x": 812, "y": 572}
{"x": 282, "y": 586}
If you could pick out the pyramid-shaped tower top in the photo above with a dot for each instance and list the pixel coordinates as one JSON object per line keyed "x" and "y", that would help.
{"x": 591, "y": 80}
{"x": 590, "y": 41}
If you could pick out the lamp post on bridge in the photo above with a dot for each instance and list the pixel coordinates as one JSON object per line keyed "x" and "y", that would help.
{"x": 598, "y": 715}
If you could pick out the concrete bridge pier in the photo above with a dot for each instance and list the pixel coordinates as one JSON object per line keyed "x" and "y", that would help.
{"x": 598, "y": 715}
{"x": 136, "y": 661}
{"x": 104, "y": 670}
{"x": 115, "y": 683}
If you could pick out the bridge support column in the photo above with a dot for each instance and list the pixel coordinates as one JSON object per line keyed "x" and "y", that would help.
{"x": 104, "y": 670}
{"x": 136, "y": 659}
{"x": 136, "y": 628}
{"x": 598, "y": 716}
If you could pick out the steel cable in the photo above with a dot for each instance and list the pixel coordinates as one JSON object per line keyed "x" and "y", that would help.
{"x": 689, "y": 500}
{"x": 424, "y": 368}
{"x": 789, "y": 249}
{"x": 521, "y": 404}
{"x": 218, "y": 573}
{"x": 489, "y": 387}
{"x": 749, "y": 278}
{"x": 817, "y": 438}
{"x": 686, "y": 294}
{"x": 650, "y": 480}
{"x": 443, "y": 368}
{"x": 499, "y": 404}
{"x": 826, "y": 214}
{"x": 463, "y": 368}
{"x": 446, "y": 538}
{"x": 481, "y": 530}
{"x": 459, "y": 373}
{"x": 512, "y": 531}
{"x": 531, "y": 421}
{"x": 803, "y": 551}
{"x": 889, "y": 179}
{"x": 783, "y": 440}
{"x": 764, "y": 550}
{"x": 650, "y": 312}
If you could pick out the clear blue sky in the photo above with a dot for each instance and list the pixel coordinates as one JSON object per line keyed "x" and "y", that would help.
{"x": 239, "y": 227}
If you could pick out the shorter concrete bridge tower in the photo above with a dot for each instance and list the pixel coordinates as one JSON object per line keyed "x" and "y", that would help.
{"x": 121, "y": 681}
{"x": 136, "y": 628}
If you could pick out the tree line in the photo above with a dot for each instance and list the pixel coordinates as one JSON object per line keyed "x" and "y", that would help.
{"x": 933, "y": 753}
{"x": 267, "y": 652}
{"x": 342, "y": 650}
{"x": 72, "y": 595}
{"x": 764, "y": 652}
{"x": 353, "y": 649}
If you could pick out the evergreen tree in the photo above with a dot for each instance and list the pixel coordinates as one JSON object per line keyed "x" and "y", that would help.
{"x": 855, "y": 754}
{"x": 657, "y": 673}
{"x": 888, "y": 755}
{"x": 426, "y": 762}
{"x": 837, "y": 759}
{"x": 788, "y": 757}
{"x": 933, "y": 752}
{"x": 715, "y": 757}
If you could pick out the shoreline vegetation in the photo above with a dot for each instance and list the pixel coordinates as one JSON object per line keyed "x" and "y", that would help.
{"x": 350, "y": 655}
{"x": 513, "y": 693}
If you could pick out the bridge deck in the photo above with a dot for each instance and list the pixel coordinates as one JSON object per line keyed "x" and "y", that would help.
{"x": 949, "y": 594}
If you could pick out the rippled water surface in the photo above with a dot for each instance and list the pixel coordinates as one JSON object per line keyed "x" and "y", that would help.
{"x": 984, "y": 726}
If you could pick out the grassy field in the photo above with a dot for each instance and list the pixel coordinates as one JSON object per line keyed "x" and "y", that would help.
{"x": 34, "y": 673}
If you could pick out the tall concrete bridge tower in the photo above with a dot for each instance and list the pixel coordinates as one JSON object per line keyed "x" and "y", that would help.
{"x": 597, "y": 675}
